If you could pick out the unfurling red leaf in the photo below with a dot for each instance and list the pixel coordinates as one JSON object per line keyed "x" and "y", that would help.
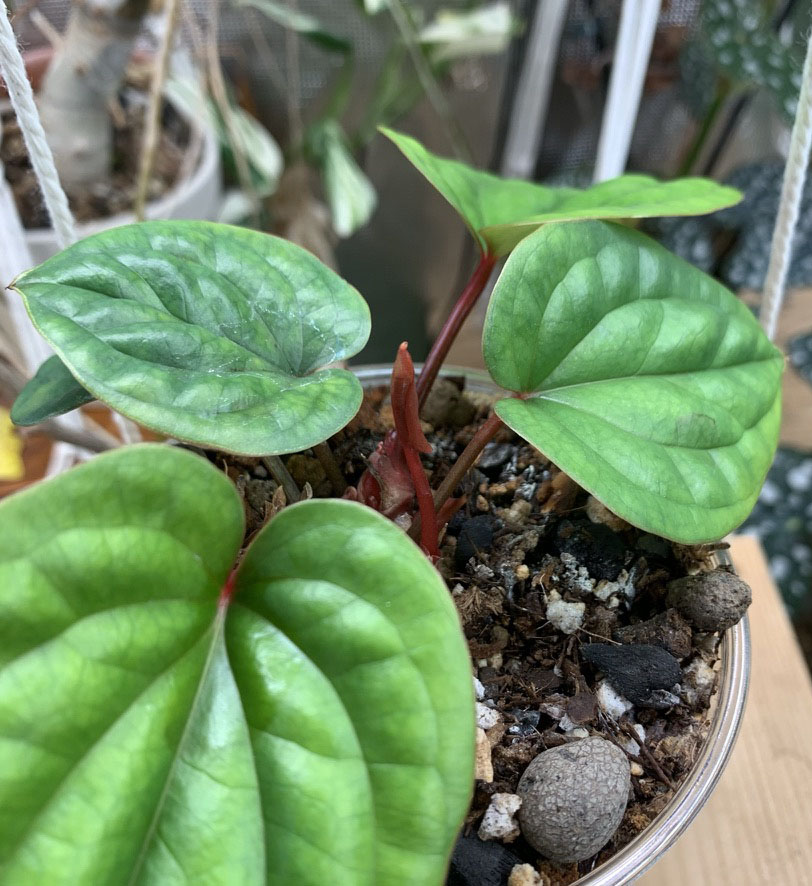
{"x": 204, "y": 332}
{"x": 313, "y": 724}
{"x": 500, "y": 212}
{"x": 646, "y": 381}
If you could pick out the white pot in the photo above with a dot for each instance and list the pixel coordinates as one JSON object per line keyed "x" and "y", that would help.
{"x": 196, "y": 197}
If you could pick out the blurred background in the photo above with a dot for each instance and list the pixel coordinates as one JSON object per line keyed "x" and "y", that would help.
{"x": 270, "y": 117}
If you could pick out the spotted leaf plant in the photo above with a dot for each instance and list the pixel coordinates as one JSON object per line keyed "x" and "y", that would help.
{"x": 181, "y": 704}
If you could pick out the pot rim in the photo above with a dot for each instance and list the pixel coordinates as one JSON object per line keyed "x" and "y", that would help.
{"x": 652, "y": 843}
{"x": 206, "y": 168}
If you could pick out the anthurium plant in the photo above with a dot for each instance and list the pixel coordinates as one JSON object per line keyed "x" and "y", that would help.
{"x": 178, "y": 707}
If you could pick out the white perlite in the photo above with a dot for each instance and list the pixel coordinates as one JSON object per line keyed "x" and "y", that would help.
{"x": 526, "y": 875}
{"x": 633, "y": 747}
{"x": 567, "y": 617}
{"x": 499, "y": 822}
{"x": 479, "y": 690}
{"x": 611, "y": 702}
{"x": 486, "y": 718}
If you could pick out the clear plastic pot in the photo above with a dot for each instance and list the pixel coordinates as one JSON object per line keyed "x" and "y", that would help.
{"x": 726, "y": 717}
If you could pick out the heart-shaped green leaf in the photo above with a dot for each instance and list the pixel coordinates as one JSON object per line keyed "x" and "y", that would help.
{"x": 310, "y": 724}
{"x": 205, "y": 332}
{"x": 500, "y": 212}
{"x": 52, "y": 391}
{"x": 649, "y": 383}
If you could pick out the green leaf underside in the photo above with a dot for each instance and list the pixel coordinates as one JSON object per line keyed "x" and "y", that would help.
{"x": 205, "y": 332}
{"x": 318, "y": 729}
{"x": 501, "y": 212}
{"x": 52, "y": 391}
{"x": 650, "y": 384}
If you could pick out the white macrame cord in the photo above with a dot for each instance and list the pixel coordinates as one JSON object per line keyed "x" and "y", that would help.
{"x": 22, "y": 100}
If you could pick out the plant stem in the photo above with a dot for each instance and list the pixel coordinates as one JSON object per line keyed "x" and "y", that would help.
{"x": 219, "y": 93}
{"x": 451, "y": 327}
{"x": 468, "y": 458}
{"x": 405, "y": 25}
{"x": 152, "y": 131}
{"x": 460, "y": 468}
{"x": 282, "y": 476}
{"x": 327, "y": 460}
{"x": 704, "y": 131}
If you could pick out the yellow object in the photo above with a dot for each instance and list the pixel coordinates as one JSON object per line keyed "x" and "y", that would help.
{"x": 11, "y": 461}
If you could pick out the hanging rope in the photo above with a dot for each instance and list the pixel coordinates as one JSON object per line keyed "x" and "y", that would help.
{"x": 789, "y": 206}
{"x": 19, "y": 89}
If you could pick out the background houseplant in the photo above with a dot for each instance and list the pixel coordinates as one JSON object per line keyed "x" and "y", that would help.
{"x": 109, "y": 306}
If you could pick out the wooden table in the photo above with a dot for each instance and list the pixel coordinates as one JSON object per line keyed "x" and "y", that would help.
{"x": 756, "y": 829}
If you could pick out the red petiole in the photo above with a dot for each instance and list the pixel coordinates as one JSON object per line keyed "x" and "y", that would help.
{"x": 453, "y": 324}
{"x": 395, "y": 475}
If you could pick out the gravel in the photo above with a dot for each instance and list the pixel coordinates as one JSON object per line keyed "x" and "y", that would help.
{"x": 573, "y": 798}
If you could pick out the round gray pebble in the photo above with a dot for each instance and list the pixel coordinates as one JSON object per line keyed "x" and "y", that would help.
{"x": 711, "y": 601}
{"x": 573, "y": 798}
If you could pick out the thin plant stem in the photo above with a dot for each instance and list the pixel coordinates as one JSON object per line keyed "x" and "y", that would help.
{"x": 219, "y": 93}
{"x": 294, "y": 81}
{"x": 467, "y": 459}
{"x": 451, "y": 327}
{"x": 404, "y": 24}
{"x": 705, "y": 128}
{"x": 153, "y": 123}
{"x": 331, "y": 467}
{"x": 282, "y": 476}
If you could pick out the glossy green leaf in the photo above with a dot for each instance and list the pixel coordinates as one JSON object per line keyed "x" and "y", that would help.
{"x": 315, "y": 727}
{"x": 242, "y": 133}
{"x": 52, "y": 391}
{"x": 205, "y": 332}
{"x": 364, "y": 665}
{"x": 350, "y": 193}
{"x": 453, "y": 34}
{"x": 300, "y": 22}
{"x": 500, "y": 212}
{"x": 645, "y": 380}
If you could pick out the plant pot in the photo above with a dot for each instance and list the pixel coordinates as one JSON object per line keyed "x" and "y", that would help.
{"x": 196, "y": 197}
{"x": 725, "y": 718}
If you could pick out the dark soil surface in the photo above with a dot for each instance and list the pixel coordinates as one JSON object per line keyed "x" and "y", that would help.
{"x": 527, "y": 537}
{"x": 116, "y": 194}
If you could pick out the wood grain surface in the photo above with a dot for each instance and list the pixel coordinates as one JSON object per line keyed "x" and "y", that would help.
{"x": 756, "y": 829}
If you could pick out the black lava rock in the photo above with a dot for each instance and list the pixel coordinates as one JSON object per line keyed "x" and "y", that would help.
{"x": 593, "y": 545}
{"x": 637, "y": 671}
{"x": 478, "y": 862}
{"x": 475, "y": 535}
{"x": 494, "y": 455}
